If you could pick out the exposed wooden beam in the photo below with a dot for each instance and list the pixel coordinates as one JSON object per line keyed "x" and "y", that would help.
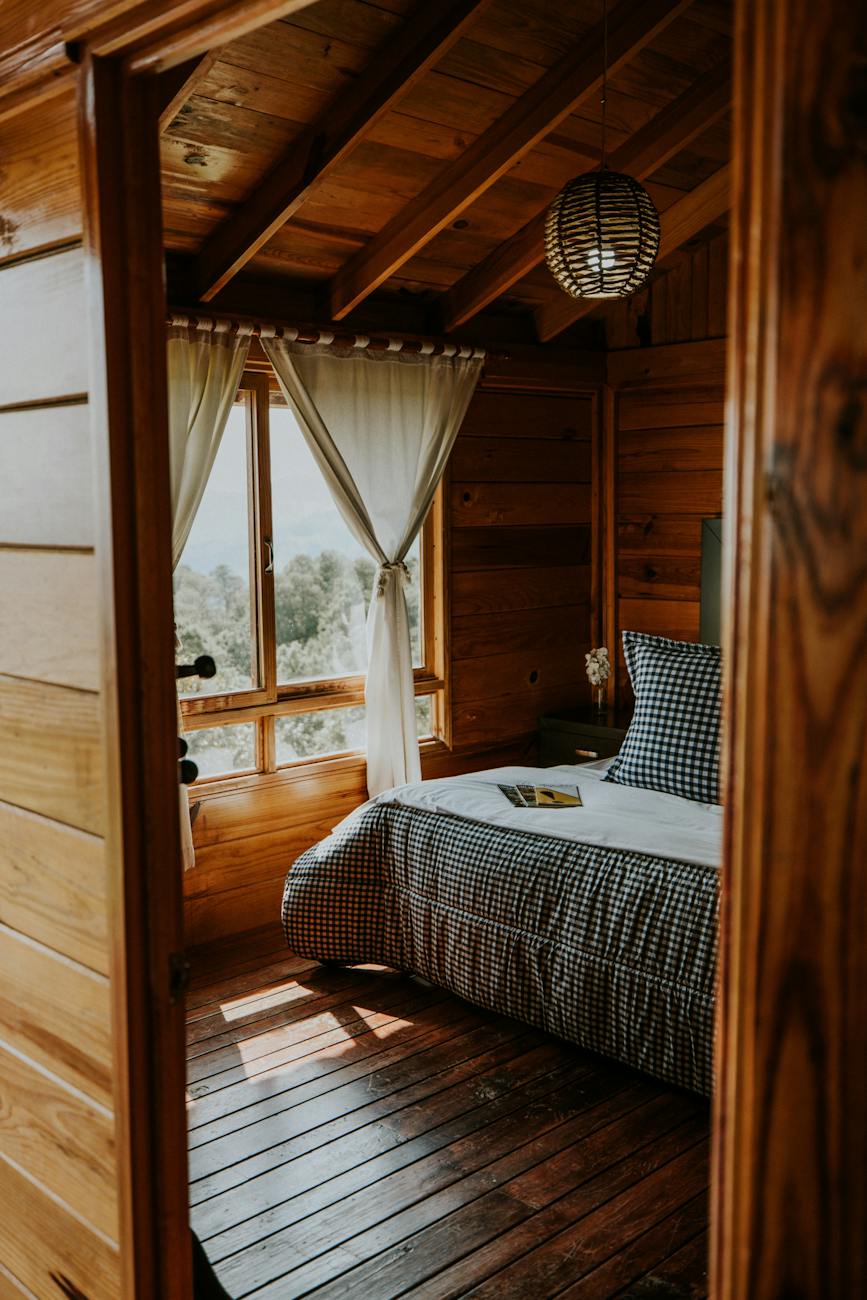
{"x": 191, "y": 28}
{"x": 152, "y": 35}
{"x": 421, "y": 42}
{"x": 178, "y": 85}
{"x": 682, "y": 221}
{"x": 643, "y": 153}
{"x": 534, "y": 115}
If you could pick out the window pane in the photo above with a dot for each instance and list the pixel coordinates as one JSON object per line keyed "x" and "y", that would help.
{"x": 424, "y": 716}
{"x": 212, "y": 580}
{"x": 218, "y": 750}
{"x": 324, "y": 577}
{"x": 310, "y": 735}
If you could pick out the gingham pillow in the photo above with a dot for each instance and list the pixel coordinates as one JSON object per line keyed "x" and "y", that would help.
{"x": 673, "y": 740}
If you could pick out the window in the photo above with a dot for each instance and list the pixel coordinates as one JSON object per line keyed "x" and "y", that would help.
{"x": 273, "y": 584}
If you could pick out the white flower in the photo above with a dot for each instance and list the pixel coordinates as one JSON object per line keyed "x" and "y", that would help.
{"x": 598, "y": 665}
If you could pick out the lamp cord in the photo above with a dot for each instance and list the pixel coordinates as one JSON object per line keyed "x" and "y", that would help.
{"x": 604, "y": 79}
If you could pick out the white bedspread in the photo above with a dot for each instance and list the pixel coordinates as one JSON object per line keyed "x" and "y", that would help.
{"x": 616, "y": 816}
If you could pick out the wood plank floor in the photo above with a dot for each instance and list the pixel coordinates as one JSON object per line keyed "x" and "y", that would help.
{"x": 361, "y": 1135}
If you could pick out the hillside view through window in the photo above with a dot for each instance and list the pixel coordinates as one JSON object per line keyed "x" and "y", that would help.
{"x": 323, "y": 579}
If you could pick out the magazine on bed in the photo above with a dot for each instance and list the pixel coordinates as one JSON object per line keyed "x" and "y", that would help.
{"x": 542, "y": 796}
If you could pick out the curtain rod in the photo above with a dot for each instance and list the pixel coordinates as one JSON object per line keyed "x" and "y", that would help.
{"x": 313, "y": 334}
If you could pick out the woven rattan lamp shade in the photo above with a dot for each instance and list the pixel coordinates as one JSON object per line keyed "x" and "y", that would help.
{"x": 601, "y": 235}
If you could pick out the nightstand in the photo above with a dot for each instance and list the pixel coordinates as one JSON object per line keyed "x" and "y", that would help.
{"x": 580, "y": 735}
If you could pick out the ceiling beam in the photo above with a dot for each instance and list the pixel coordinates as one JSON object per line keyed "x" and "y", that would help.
{"x": 427, "y": 35}
{"x": 179, "y": 84}
{"x": 150, "y": 35}
{"x": 648, "y": 149}
{"x": 679, "y": 223}
{"x": 633, "y": 24}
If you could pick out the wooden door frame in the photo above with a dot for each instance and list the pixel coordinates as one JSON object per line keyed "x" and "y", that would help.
{"x": 124, "y": 268}
{"x": 789, "y": 1209}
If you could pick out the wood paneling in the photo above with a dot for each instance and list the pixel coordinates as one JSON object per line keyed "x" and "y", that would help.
{"x": 684, "y": 303}
{"x": 665, "y": 426}
{"x": 45, "y": 352}
{"x": 60, "y": 1138}
{"x": 520, "y": 556}
{"x": 47, "y": 493}
{"x": 41, "y": 203}
{"x": 52, "y": 886}
{"x": 57, "y": 1013}
{"x": 791, "y": 1136}
{"x": 47, "y": 588}
{"x": 480, "y": 505}
{"x": 58, "y": 1182}
{"x": 489, "y": 591}
{"x": 51, "y": 759}
{"x": 51, "y": 1251}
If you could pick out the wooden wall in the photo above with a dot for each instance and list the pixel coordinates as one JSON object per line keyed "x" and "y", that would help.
{"x": 59, "y": 1216}
{"x": 520, "y": 512}
{"x": 685, "y": 300}
{"x": 519, "y": 586}
{"x": 663, "y": 429}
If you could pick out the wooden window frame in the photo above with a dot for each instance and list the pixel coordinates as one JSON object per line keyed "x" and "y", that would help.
{"x": 269, "y": 699}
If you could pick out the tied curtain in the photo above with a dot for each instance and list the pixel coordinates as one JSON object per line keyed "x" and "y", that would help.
{"x": 380, "y": 425}
{"x": 205, "y": 361}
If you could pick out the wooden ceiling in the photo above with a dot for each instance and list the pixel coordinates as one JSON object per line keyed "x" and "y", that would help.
{"x": 383, "y": 150}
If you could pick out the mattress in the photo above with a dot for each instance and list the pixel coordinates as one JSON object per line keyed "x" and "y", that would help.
{"x": 559, "y": 918}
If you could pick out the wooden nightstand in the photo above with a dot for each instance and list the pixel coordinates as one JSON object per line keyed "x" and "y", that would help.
{"x": 580, "y": 735}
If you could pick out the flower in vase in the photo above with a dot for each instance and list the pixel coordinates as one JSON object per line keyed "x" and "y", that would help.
{"x": 598, "y": 666}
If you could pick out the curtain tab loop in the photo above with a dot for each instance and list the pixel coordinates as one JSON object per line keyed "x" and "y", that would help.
{"x": 389, "y": 570}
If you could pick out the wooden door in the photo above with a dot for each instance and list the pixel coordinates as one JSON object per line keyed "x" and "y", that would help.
{"x": 791, "y": 1131}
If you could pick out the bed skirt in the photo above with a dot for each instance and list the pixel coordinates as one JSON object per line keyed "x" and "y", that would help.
{"x": 612, "y": 950}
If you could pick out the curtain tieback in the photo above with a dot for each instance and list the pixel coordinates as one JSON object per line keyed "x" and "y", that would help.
{"x": 389, "y": 570}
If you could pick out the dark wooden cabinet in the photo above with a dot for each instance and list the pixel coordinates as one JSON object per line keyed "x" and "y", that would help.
{"x": 580, "y": 735}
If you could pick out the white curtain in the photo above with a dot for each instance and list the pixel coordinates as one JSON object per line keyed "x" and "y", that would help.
{"x": 380, "y": 426}
{"x": 205, "y": 362}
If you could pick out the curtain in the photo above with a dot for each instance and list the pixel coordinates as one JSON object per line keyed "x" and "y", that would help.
{"x": 205, "y": 362}
{"x": 380, "y": 426}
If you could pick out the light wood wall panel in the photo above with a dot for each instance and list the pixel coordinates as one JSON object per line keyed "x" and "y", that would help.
{"x": 41, "y": 315}
{"x": 54, "y": 636}
{"x": 518, "y": 537}
{"x": 50, "y": 752}
{"x": 58, "y": 1165}
{"x": 47, "y": 492}
{"x": 64, "y": 1139}
{"x": 57, "y": 1013}
{"x": 49, "y": 1249}
{"x": 52, "y": 886}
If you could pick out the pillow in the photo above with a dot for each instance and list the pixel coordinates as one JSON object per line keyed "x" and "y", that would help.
{"x": 673, "y": 740}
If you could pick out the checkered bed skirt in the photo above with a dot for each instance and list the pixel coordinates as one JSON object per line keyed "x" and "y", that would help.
{"x": 613, "y": 950}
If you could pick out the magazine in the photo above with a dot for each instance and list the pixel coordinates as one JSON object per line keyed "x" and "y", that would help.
{"x": 542, "y": 796}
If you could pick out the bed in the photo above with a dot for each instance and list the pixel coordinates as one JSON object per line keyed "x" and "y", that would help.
{"x": 596, "y": 923}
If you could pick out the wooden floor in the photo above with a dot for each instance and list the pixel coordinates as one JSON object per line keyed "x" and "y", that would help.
{"x": 361, "y": 1135}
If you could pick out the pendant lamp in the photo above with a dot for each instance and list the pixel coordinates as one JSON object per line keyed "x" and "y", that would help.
{"x": 602, "y": 230}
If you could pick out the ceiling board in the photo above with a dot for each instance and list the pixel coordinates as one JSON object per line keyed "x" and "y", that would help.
{"x": 266, "y": 87}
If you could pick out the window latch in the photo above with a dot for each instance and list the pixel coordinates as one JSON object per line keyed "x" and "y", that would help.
{"x": 269, "y": 553}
